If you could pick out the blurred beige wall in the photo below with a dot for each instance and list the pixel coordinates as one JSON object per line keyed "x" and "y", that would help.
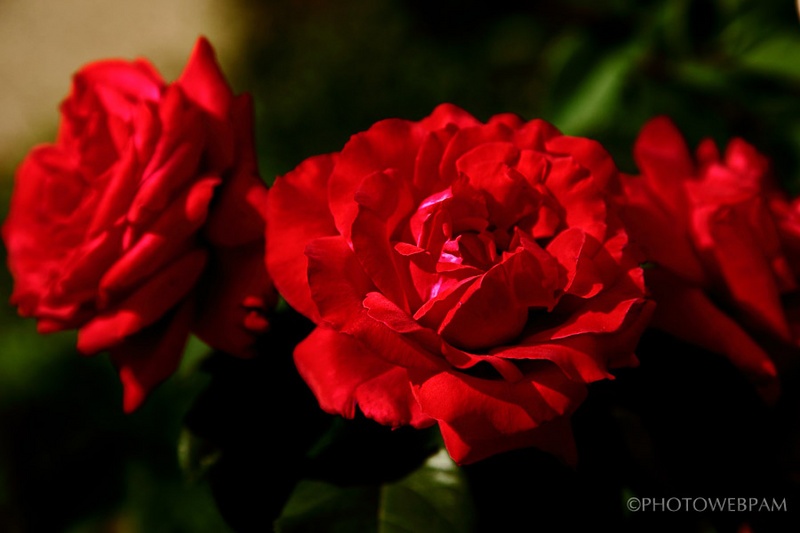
{"x": 42, "y": 42}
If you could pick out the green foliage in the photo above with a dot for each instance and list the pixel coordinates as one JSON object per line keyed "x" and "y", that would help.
{"x": 598, "y": 96}
{"x": 718, "y": 67}
{"x": 432, "y": 499}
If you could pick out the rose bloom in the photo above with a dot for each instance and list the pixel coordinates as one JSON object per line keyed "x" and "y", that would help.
{"x": 718, "y": 231}
{"x": 143, "y": 221}
{"x": 467, "y": 274}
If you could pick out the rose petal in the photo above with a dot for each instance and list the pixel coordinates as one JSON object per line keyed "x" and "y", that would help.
{"x": 490, "y": 168}
{"x": 534, "y": 135}
{"x": 465, "y": 140}
{"x": 747, "y": 272}
{"x": 297, "y": 214}
{"x": 371, "y": 236}
{"x": 490, "y": 416}
{"x": 341, "y": 292}
{"x": 591, "y": 155}
{"x": 239, "y": 213}
{"x": 388, "y": 145}
{"x": 687, "y": 313}
{"x": 554, "y": 437}
{"x": 170, "y": 235}
{"x": 344, "y": 375}
{"x": 240, "y": 206}
{"x": 605, "y": 313}
{"x": 745, "y": 160}
{"x": 662, "y": 155}
{"x": 661, "y": 233}
{"x": 589, "y": 357}
{"x": 83, "y": 271}
{"x": 574, "y": 250}
{"x": 433, "y": 312}
{"x": 175, "y": 160}
{"x": 577, "y": 192}
{"x": 383, "y": 310}
{"x": 486, "y": 315}
{"x": 138, "y": 80}
{"x": 337, "y": 282}
{"x": 203, "y": 82}
{"x": 150, "y": 356}
{"x": 118, "y": 193}
{"x": 234, "y": 303}
{"x": 494, "y": 310}
{"x": 462, "y": 360}
{"x": 144, "y": 307}
{"x": 446, "y": 115}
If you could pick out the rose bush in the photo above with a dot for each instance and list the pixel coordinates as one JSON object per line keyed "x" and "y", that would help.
{"x": 143, "y": 222}
{"x": 467, "y": 274}
{"x": 721, "y": 235}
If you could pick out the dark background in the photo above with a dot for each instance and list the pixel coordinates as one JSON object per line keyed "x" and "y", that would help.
{"x": 683, "y": 424}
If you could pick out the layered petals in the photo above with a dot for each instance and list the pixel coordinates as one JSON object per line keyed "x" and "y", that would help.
{"x": 467, "y": 274}
{"x": 144, "y": 221}
{"x": 718, "y": 232}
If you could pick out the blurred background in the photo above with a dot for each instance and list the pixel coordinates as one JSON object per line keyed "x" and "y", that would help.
{"x": 321, "y": 71}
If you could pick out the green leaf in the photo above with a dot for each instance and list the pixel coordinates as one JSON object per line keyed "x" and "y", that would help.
{"x": 775, "y": 56}
{"x": 29, "y": 358}
{"x": 324, "y": 507}
{"x": 196, "y": 455}
{"x": 194, "y": 354}
{"x": 434, "y": 499}
{"x": 597, "y": 99}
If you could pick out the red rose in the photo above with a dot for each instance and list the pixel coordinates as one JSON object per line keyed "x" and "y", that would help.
{"x": 712, "y": 227}
{"x": 143, "y": 221}
{"x": 458, "y": 272}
